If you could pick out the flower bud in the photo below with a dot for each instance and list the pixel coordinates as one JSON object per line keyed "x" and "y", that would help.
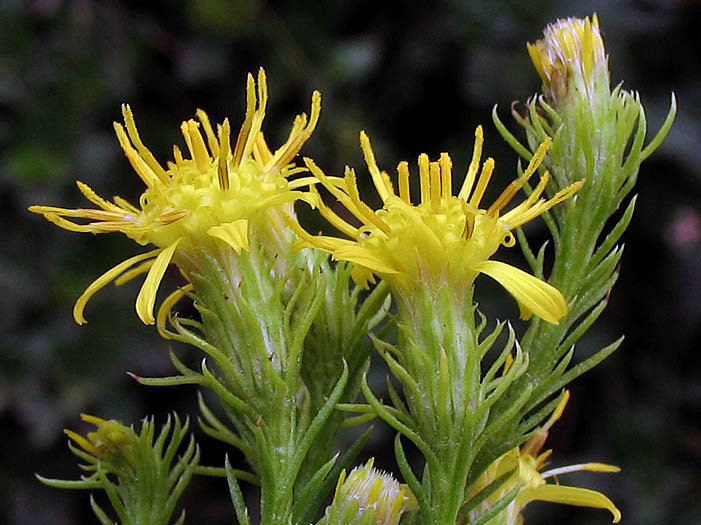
{"x": 571, "y": 59}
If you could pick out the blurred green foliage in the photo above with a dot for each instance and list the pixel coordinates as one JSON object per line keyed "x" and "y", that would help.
{"x": 418, "y": 76}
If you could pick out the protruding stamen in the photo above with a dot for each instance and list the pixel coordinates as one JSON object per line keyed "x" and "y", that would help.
{"x": 424, "y": 177}
{"x": 247, "y": 121}
{"x": 333, "y": 217}
{"x": 258, "y": 115}
{"x": 185, "y": 131}
{"x": 137, "y": 162}
{"x": 377, "y": 178}
{"x": 360, "y": 209}
{"x": 126, "y": 205}
{"x": 404, "y": 188}
{"x": 93, "y": 197}
{"x": 171, "y": 216}
{"x": 212, "y": 141}
{"x": 224, "y": 146}
{"x": 435, "y": 186}
{"x": 144, "y": 152}
{"x": 483, "y": 182}
{"x": 198, "y": 148}
{"x": 178, "y": 156}
{"x": 474, "y": 166}
{"x": 469, "y": 226}
{"x": 288, "y": 151}
{"x": 517, "y": 184}
{"x": 446, "y": 175}
{"x": 261, "y": 150}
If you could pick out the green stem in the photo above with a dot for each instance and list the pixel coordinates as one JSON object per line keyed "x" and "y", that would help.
{"x": 244, "y": 316}
{"x": 438, "y": 348}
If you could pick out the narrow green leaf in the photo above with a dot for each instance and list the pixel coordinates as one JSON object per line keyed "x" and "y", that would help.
{"x": 236, "y": 495}
{"x": 509, "y": 137}
{"x": 384, "y": 413}
{"x": 483, "y": 494}
{"x": 101, "y": 515}
{"x": 344, "y": 462}
{"x": 614, "y": 235}
{"x": 310, "y": 498}
{"x": 411, "y": 479}
{"x": 662, "y": 133}
{"x": 588, "y": 364}
{"x": 68, "y": 484}
{"x": 319, "y": 420}
{"x": 496, "y": 508}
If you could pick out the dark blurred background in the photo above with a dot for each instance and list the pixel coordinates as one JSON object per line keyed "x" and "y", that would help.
{"x": 418, "y": 76}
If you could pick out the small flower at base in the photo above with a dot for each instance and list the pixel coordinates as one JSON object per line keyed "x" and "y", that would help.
{"x": 528, "y": 463}
{"x": 367, "y": 490}
{"x": 110, "y": 439}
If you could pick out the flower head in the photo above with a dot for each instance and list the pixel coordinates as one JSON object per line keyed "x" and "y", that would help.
{"x": 220, "y": 192}
{"x": 110, "y": 438}
{"x": 571, "y": 57}
{"x": 368, "y": 490}
{"x": 446, "y": 239}
{"x": 528, "y": 462}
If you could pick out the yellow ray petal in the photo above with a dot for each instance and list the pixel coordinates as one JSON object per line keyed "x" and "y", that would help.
{"x": 60, "y": 221}
{"x": 144, "y": 152}
{"x": 362, "y": 276}
{"x": 96, "y": 199}
{"x": 359, "y": 255}
{"x": 105, "y": 279}
{"x": 133, "y": 273}
{"x": 235, "y": 234}
{"x": 147, "y": 295}
{"x": 212, "y": 141}
{"x": 97, "y": 421}
{"x": 382, "y": 189}
{"x": 167, "y": 305}
{"x": 84, "y": 443}
{"x": 568, "y": 496}
{"x": 532, "y": 294}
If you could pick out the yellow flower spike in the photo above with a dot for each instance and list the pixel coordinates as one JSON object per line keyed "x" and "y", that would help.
{"x": 529, "y": 462}
{"x": 444, "y": 240}
{"x": 214, "y": 196}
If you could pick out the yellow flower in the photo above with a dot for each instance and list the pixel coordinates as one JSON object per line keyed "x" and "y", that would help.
{"x": 529, "y": 463}
{"x": 446, "y": 239}
{"x": 111, "y": 437}
{"x": 572, "y": 54}
{"x": 370, "y": 490}
{"x": 215, "y": 194}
